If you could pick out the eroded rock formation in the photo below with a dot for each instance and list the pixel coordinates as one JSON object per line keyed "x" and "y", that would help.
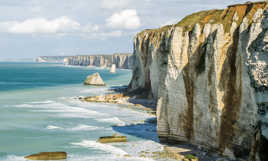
{"x": 94, "y": 79}
{"x": 209, "y": 75}
{"x": 123, "y": 61}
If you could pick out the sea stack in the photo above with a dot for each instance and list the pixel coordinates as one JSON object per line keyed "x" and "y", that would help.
{"x": 113, "y": 69}
{"x": 94, "y": 79}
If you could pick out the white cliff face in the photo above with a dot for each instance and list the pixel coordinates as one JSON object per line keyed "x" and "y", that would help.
{"x": 123, "y": 61}
{"x": 113, "y": 69}
{"x": 209, "y": 77}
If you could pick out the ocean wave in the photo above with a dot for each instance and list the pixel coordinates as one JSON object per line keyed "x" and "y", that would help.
{"x": 114, "y": 120}
{"x": 24, "y": 106}
{"x": 80, "y": 127}
{"x": 43, "y": 102}
{"x": 14, "y": 83}
{"x": 72, "y": 157}
{"x": 102, "y": 90}
{"x": 83, "y": 127}
{"x": 52, "y": 127}
{"x": 103, "y": 147}
{"x": 106, "y": 158}
{"x": 63, "y": 110}
{"x": 12, "y": 158}
{"x": 134, "y": 148}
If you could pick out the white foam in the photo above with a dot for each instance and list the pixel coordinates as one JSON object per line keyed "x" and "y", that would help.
{"x": 99, "y": 91}
{"x": 52, "y": 127}
{"x": 63, "y": 110}
{"x": 84, "y": 128}
{"x": 106, "y": 158}
{"x": 80, "y": 127}
{"x": 43, "y": 102}
{"x": 115, "y": 120}
{"x": 24, "y": 106}
{"x": 13, "y": 158}
{"x": 103, "y": 147}
{"x": 134, "y": 148}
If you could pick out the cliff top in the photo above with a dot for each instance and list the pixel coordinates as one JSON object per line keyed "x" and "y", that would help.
{"x": 225, "y": 17}
{"x": 126, "y": 54}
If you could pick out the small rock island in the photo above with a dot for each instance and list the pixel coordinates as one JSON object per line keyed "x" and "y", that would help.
{"x": 94, "y": 79}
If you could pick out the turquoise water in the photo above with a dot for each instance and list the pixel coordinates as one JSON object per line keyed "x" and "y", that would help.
{"x": 40, "y": 112}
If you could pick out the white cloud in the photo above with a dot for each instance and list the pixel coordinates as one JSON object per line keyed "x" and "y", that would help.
{"x": 126, "y": 19}
{"x": 111, "y": 4}
{"x": 112, "y": 34}
{"x": 90, "y": 28}
{"x": 100, "y": 35}
{"x": 40, "y": 25}
{"x": 62, "y": 26}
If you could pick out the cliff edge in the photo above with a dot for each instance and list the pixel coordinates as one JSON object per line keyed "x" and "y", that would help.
{"x": 123, "y": 61}
{"x": 209, "y": 75}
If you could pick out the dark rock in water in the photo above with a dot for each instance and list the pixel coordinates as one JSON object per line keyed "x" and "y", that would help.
{"x": 94, "y": 79}
{"x": 263, "y": 148}
{"x": 259, "y": 145}
{"x": 48, "y": 156}
{"x": 112, "y": 139}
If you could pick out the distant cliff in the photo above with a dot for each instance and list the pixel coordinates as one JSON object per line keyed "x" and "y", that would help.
{"x": 50, "y": 59}
{"x": 124, "y": 61}
{"x": 209, "y": 75}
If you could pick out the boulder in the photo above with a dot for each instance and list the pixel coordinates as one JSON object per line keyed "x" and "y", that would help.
{"x": 94, "y": 79}
{"x": 112, "y": 139}
{"x": 47, "y": 156}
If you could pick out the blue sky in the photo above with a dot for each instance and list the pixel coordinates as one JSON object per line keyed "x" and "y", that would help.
{"x": 31, "y": 28}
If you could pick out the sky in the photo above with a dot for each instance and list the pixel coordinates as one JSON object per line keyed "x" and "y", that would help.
{"x": 32, "y": 28}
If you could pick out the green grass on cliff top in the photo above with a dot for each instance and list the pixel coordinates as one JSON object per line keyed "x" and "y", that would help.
{"x": 216, "y": 17}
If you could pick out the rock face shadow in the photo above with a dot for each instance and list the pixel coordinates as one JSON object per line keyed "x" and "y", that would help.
{"x": 135, "y": 97}
{"x": 146, "y": 130}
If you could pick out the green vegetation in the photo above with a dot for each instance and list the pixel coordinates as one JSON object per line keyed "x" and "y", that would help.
{"x": 203, "y": 17}
{"x": 225, "y": 17}
{"x": 190, "y": 156}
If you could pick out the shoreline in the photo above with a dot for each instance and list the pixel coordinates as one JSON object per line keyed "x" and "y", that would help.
{"x": 91, "y": 67}
{"x": 182, "y": 151}
{"x": 124, "y": 101}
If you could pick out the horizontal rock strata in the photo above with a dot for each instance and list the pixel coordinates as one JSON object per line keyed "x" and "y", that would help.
{"x": 123, "y": 61}
{"x": 209, "y": 75}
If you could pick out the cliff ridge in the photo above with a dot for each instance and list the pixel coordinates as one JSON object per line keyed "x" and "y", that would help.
{"x": 123, "y": 61}
{"x": 209, "y": 75}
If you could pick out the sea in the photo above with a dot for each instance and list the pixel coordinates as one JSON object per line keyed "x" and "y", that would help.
{"x": 40, "y": 112}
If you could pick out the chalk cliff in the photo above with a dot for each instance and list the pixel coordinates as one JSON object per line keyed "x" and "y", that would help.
{"x": 50, "y": 59}
{"x": 209, "y": 75}
{"x": 123, "y": 61}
